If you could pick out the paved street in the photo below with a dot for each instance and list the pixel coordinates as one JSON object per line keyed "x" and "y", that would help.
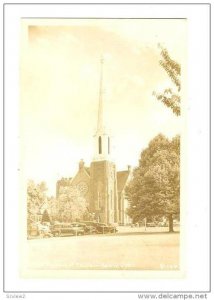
{"x": 135, "y": 249}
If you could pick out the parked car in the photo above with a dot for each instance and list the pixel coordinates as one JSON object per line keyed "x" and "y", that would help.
{"x": 104, "y": 228}
{"x": 66, "y": 229}
{"x": 151, "y": 224}
{"x": 91, "y": 227}
{"x": 112, "y": 228}
{"x": 78, "y": 228}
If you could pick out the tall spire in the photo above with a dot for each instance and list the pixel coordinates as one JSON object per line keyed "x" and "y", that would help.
{"x": 101, "y": 137}
{"x": 100, "y": 125}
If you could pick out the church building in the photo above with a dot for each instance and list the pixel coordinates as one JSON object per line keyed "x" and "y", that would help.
{"x": 100, "y": 184}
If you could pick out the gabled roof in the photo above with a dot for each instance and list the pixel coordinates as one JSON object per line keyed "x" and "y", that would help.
{"x": 84, "y": 172}
{"x": 122, "y": 177}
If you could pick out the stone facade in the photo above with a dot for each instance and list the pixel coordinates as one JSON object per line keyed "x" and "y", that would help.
{"x": 104, "y": 201}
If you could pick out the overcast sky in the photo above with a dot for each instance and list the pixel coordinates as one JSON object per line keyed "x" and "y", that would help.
{"x": 60, "y": 72}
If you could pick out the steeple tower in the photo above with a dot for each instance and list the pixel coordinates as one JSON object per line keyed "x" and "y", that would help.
{"x": 103, "y": 187}
{"x": 100, "y": 125}
{"x": 102, "y": 139}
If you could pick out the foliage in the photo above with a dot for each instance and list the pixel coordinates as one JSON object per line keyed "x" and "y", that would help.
{"x": 72, "y": 205}
{"x": 36, "y": 195}
{"x": 155, "y": 187}
{"x": 52, "y": 205}
{"x": 169, "y": 97}
{"x": 45, "y": 216}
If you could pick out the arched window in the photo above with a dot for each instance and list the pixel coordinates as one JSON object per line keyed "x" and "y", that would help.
{"x": 108, "y": 145}
{"x": 100, "y": 145}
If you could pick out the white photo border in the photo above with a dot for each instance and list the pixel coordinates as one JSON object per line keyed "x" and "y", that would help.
{"x": 198, "y": 235}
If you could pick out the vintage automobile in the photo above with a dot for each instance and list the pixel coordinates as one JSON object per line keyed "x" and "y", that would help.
{"x": 90, "y": 227}
{"x": 104, "y": 228}
{"x": 151, "y": 224}
{"x": 65, "y": 229}
{"x": 78, "y": 228}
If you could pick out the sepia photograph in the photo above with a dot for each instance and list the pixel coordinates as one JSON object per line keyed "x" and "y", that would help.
{"x": 100, "y": 131}
{"x": 106, "y": 150}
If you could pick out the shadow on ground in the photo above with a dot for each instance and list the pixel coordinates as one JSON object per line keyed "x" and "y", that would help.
{"x": 139, "y": 233}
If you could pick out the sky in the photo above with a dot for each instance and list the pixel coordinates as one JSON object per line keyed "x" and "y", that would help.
{"x": 60, "y": 73}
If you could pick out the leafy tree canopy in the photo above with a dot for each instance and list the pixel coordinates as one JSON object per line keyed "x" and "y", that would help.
{"x": 170, "y": 97}
{"x": 36, "y": 195}
{"x": 46, "y": 217}
{"x": 72, "y": 204}
{"x": 155, "y": 187}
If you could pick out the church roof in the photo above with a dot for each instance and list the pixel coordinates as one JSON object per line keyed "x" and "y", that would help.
{"x": 122, "y": 177}
{"x": 64, "y": 181}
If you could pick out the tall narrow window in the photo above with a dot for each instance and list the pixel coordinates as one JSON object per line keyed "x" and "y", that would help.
{"x": 108, "y": 145}
{"x": 100, "y": 145}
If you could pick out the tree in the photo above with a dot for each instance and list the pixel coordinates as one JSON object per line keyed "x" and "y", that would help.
{"x": 36, "y": 195}
{"x": 52, "y": 205}
{"x": 155, "y": 187}
{"x": 45, "y": 216}
{"x": 72, "y": 206}
{"x": 169, "y": 97}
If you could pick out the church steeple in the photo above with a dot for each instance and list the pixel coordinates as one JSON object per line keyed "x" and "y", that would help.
{"x": 102, "y": 139}
{"x": 100, "y": 125}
